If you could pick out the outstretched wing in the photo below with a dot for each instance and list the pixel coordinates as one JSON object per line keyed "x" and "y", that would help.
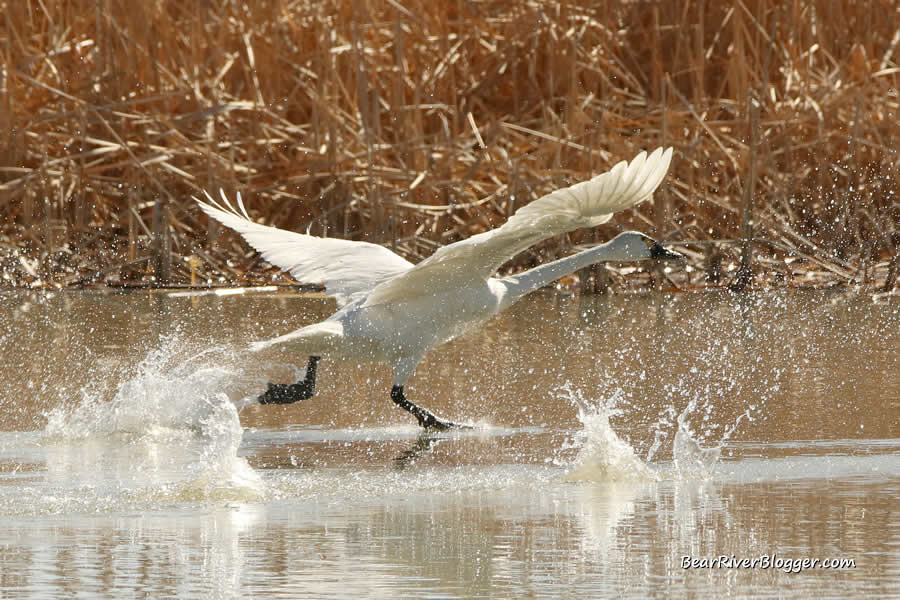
{"x": 346, "y": 268}
{"x": 586, "y": 204}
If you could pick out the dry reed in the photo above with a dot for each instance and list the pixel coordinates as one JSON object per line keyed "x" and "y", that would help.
{"x": 415, "y": 124}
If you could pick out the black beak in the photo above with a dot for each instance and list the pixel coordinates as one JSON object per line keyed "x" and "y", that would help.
{"x": 660, "y": 252}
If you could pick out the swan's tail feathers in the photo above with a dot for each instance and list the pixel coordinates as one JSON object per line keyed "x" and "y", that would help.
{"x": 315, "y": 340}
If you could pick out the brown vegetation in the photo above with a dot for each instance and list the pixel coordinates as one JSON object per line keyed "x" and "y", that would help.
{"x": 415, "y": 123}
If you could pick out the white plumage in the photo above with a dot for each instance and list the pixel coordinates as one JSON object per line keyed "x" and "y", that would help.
{"x": 346, "y": 268}
{"x": 394, "y": 311}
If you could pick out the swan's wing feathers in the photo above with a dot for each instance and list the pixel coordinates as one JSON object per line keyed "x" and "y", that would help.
{"x": 346, "y": 268}
{"x": 586, "y": 204}
{"x": 593, "y": 202}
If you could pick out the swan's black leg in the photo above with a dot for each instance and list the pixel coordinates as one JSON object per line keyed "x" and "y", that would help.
{"x": 426, "y": 418}
{"x": 280, "y": 393}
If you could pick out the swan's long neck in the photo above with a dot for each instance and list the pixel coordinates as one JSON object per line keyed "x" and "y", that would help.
{"x": 525, "y": 283}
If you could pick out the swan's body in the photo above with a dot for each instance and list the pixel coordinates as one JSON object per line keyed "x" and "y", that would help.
{"x": 394, "y": 311}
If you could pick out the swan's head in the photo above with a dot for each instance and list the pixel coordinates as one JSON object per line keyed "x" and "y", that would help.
{"x": 633, "y": 245}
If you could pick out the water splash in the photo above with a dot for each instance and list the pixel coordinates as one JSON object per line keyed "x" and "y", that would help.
{"x": 691, "y": 459}
{"x": 602, "y": 454}
{"x": 169, "y": 429}
{"x": 688, "y": 456}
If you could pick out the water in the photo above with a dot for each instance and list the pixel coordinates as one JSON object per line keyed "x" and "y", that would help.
{"x": 613, "y": 438}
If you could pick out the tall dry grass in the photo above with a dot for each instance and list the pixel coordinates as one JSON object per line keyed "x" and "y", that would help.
{"x": 415, "y": 123}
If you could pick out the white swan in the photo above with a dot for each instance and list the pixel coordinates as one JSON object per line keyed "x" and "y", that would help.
{"x": 393, "y": 311}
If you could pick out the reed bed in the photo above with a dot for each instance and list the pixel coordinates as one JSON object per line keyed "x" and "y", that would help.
{"x": 414, "y": 124}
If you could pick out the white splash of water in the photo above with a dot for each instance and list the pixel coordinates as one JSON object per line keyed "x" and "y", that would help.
{"x": 170, "y": 426}
{"x": 691, "y": 459}
{"x": 602, "y": 454}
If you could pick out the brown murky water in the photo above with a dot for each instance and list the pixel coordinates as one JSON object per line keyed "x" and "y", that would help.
{"x": 613, "y": 438}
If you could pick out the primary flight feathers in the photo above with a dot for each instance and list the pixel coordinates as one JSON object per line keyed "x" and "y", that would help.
{"x": 346, "y": 268}
{"x": 350, "y": 269}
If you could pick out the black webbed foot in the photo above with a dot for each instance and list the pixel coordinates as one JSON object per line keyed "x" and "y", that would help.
{"x": 435, "y": 423}
{"x": 425, "y": 417}
{"x": 281, "y": 393}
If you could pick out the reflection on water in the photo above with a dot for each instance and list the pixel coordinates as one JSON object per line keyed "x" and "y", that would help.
{"x": 614, "y": 436}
